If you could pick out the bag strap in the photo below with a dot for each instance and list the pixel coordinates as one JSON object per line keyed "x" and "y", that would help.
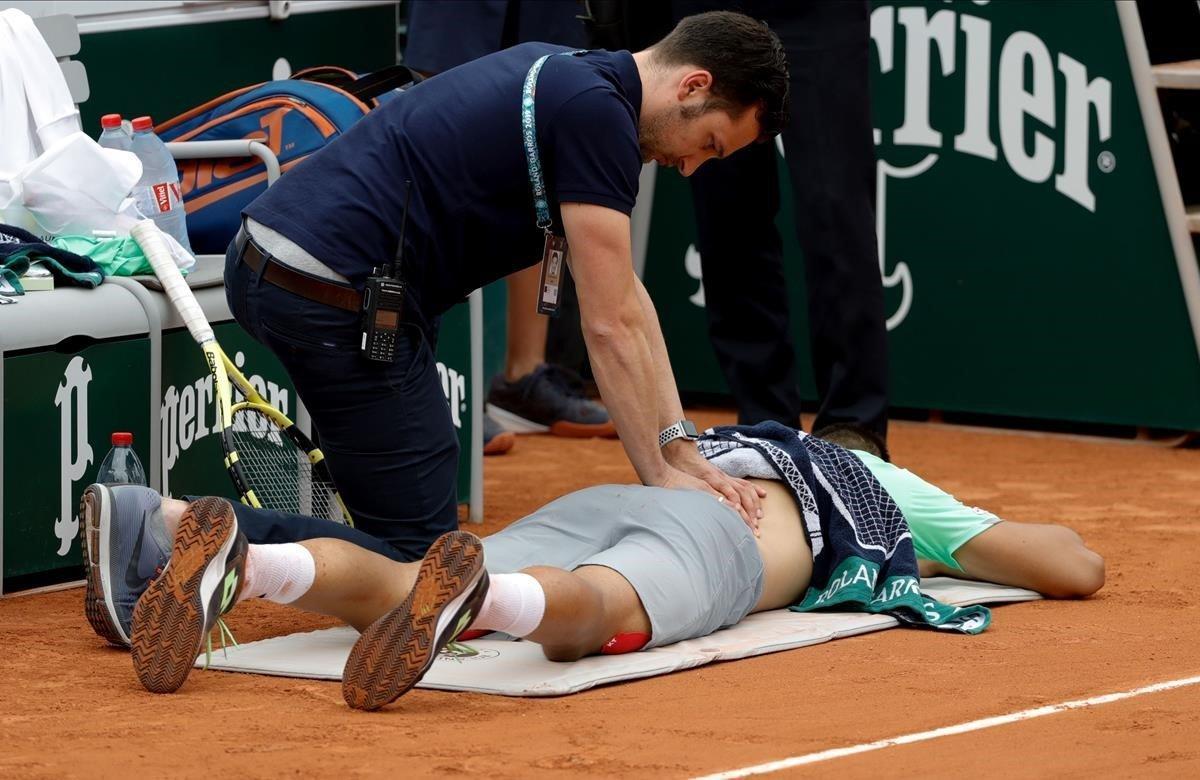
{"x": 365, "y": 88}
{"x": 373, "y": 85}
{"x": 327, "y": 74}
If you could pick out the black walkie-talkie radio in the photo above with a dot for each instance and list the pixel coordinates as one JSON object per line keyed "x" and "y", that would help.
{"x": 383, "y": 301}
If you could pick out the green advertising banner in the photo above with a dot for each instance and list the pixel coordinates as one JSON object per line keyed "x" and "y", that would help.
{"x": 1024, "y": 251}
{"x": 193, "y": 458}
{"x": 60, "y": 411}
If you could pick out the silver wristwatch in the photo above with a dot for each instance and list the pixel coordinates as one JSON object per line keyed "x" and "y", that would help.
{"x": 684, "y": 429}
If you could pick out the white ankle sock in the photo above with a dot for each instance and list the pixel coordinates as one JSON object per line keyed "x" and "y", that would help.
{"x": 278, "y": 572}
{"x": 514, "y": 604}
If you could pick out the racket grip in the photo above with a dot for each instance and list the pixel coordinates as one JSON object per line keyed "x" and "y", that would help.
{"x": 150, "y": 239}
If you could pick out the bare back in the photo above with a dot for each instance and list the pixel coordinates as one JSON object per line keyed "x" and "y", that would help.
{"x": 783, "y": 544}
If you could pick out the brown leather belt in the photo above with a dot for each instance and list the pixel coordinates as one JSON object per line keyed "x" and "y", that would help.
{"x": 294, "y": 281}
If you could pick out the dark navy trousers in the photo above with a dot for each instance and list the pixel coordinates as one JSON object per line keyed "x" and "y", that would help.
{"x": 385, "y": 429}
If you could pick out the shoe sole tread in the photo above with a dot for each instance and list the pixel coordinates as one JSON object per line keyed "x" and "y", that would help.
{"x": 395, "y": 652}
{"x": 168, "y": 620}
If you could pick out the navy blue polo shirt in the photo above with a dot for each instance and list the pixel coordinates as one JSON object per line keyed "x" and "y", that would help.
{"x": 457, "y": 136}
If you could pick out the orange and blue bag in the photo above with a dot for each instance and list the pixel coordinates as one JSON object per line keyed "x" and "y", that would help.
{"x": 294, "y": 117}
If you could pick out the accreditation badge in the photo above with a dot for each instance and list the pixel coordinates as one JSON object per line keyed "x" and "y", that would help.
{"x": 554, "y": 255}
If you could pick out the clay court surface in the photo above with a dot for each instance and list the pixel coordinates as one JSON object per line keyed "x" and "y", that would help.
{"x": 70, "y": 706}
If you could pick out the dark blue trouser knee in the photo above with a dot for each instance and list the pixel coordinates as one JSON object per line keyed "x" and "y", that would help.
{"x": 385, "y": 428}
{"x": 266, "y": 526}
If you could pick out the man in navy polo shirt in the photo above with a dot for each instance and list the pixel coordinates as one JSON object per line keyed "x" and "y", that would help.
{"x": 717, "y": 83}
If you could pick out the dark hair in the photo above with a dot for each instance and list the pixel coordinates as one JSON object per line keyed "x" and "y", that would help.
{"x": 745, "y": 58}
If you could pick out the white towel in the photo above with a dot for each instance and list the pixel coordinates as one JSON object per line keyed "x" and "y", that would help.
{"x": 54, "y": 179}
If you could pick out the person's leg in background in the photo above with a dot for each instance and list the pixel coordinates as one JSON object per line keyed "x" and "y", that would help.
{"x": 564, "y": 337}
{"x": 534, "y": 396}
{"x": 745, "y": 293}
{"x": 829, "y": 152}
{"x": 526, "y": 348}
{"x": 741, "y": 259}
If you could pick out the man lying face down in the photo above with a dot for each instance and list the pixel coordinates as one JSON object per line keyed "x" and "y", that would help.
{"x": 605, "y": 569}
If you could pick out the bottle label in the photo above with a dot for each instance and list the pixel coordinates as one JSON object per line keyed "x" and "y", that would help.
{"x": 159, "y": 198}
{"x": 162, "y": 196}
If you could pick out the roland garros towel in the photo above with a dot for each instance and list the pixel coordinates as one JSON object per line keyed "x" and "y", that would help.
{"x": 863, "y": 557}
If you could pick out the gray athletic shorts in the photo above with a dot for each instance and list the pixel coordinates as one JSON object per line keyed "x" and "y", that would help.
{"x": 692, "y": 560}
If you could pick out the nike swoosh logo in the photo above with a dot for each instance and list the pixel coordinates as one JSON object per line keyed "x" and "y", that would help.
{"x": 147, "y": 554}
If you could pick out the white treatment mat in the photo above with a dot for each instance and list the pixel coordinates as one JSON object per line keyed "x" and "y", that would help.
{"x": 519, "y": 669}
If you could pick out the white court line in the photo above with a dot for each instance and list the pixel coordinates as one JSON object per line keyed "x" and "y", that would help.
{"x": 974, "y": 725}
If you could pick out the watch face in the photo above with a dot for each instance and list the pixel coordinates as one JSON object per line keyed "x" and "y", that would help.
{"x": 689, "y": 429}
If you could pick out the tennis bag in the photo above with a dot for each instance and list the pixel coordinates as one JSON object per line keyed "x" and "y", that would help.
{"x": 293, "y": 117}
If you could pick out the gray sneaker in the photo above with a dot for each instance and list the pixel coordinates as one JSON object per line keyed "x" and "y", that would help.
{"x": 549, "y": 400}
{"x": 125, "y": 546}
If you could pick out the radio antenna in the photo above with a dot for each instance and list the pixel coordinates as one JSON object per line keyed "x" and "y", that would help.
{"x": 389, "y": 270}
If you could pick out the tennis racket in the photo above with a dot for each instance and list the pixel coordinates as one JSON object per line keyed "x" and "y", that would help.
{"x": 272, "y": 463}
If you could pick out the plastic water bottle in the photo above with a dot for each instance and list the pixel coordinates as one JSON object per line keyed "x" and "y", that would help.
{"x": 121, "y": 465}
{"x": 113, "y": 135}
{"x": 157, "y": 193}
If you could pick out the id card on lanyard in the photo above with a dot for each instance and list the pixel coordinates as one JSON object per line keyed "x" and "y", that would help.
{"x": 554, "y": 250}
{"x": 554, "y": 254}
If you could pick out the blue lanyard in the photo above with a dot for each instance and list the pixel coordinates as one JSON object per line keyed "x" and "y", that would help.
{"x": 529, "y": 133}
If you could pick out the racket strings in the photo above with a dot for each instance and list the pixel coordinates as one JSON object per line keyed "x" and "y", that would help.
{"x": 279, "y": 472}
